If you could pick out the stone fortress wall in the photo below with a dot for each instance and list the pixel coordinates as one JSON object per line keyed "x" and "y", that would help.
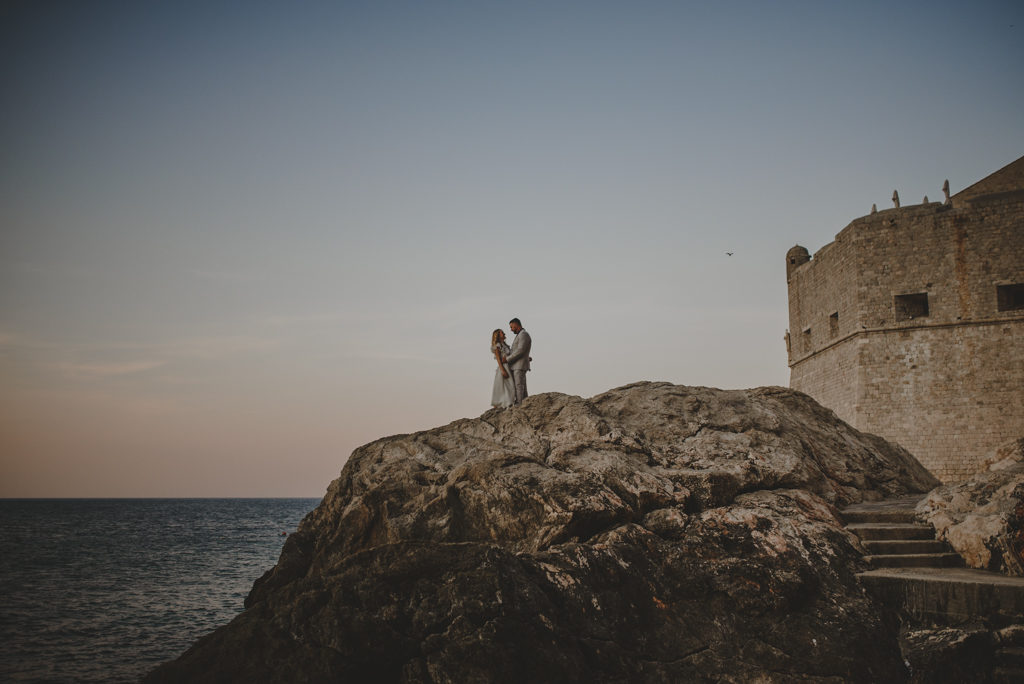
{"x": 910, "y": 324}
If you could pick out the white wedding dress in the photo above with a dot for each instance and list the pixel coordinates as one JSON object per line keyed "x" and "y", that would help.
{"x": 504, "y": 391}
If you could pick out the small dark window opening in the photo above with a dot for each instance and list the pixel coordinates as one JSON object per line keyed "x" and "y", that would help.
{"x": 1010, "y": 297}
{"x": 911, "y": 306}
{"x": 833, "y": 324}
{"x": 807, "y": 339}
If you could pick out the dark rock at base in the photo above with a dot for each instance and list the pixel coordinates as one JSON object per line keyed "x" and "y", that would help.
{"x": 948, "y": 655}
{"x": 652, "y": 533}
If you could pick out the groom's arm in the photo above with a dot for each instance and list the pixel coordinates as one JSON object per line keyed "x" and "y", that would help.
{"x": 521, "y": 348}
{"x": 516, "y": 353}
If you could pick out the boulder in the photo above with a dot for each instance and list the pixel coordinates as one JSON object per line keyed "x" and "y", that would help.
{"x": 948, "y": 655}
{"x": 651, "y": 533}
{"x": 982, "y": 517}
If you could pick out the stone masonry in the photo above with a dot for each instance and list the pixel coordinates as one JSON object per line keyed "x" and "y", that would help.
{"x": 910, "y": 325}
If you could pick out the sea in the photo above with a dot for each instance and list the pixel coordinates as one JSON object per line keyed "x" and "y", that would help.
{"x": 104, "y": 590}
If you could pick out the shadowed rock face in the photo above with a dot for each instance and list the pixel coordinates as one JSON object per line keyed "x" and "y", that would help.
{"x": 983, "y": 517}
{"x": 651, "y": 533}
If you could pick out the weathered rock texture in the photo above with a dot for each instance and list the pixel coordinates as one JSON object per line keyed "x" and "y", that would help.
{"x": 652, "y": 533}
{"x": 948, "y": 655}
{"x": 983, "y": 517}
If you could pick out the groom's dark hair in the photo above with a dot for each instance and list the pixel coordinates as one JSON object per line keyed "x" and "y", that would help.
{"x": 516, "y": 321}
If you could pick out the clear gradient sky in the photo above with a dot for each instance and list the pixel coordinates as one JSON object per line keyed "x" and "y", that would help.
{"x": 240, "y": 239}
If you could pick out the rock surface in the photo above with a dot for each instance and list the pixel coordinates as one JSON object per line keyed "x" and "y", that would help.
{"x": 948, "y": 655}
{"x": 651, "y": 533}
{"x": 982, "y": 518}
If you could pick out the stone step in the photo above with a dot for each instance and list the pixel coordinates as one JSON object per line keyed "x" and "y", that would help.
{"x": 872, "y": 531}
{"x": 890, "y": 547}
{"x": 889, "y": 510}
{"x": 951, "y": 596}
{"x": 1010, "y": 656}
{"x": 915, "y": 560}
{"x": 880, "y": 515}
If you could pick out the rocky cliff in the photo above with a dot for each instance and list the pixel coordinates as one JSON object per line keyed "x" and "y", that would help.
{"x": 983, "y": 516}
{"x": 651, "y": 533}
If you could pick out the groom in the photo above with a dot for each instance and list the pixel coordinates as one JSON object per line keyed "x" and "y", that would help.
{"x": 519, "y": 359}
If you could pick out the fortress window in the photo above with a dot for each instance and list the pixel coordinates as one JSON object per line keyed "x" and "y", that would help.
{"x": 833, "y": 324}
{"x": 1010, "y": 297}
{"x": 806, "y": 337}
{"x": 911, "y": 306}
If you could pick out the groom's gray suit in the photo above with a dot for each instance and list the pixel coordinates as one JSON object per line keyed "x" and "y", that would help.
{"x": 519, "y": 362}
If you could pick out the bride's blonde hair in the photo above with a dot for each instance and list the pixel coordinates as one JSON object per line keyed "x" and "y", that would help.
{"x": 494, "y": 336}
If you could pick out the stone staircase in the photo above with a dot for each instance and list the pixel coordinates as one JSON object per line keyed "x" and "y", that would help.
{"x": 893, "y": 538}
{"x": 925, "y": 581}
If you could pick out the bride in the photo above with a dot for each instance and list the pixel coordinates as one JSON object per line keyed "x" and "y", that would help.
{"x": 504, "y": 391}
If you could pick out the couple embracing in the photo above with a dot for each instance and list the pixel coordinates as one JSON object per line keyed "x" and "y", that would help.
{"x": 510, "y": 378}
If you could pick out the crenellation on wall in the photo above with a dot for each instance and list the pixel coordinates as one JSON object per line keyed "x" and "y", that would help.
{"x": 896, "y": 324}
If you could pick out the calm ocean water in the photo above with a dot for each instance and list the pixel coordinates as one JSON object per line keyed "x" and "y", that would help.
{"x": 104, "y": 590}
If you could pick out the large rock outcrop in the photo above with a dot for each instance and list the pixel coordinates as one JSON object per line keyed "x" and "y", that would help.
{"x": 982, "y": 517}
{"x": 651, "y": 533}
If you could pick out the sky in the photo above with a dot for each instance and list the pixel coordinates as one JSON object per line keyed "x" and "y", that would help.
{"x": 240, "y": 239}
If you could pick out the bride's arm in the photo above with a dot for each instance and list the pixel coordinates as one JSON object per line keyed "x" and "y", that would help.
{"x": 501, "y": 365}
